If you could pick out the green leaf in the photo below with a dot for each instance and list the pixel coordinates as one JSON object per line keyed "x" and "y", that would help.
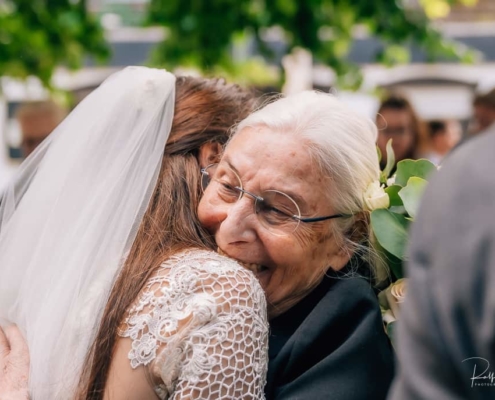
{"x": 409, "y": 168}
{"x": 393, "y": 263}
{"x": 396, "y": 54}
{"x": 393, "y": 194}
{"x": 301, "y": 24}
{"x": 390, "y": 159}
{"x": 397, "y": 209}
{"x": 379, "y": 154}
{"x": 411, "y": 194}
{"x": 390, "y": 230}
{"x": 38, "y": 37}
{"x": 396, "y": 266}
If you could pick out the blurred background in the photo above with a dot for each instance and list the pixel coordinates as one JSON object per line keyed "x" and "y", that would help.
{"x": 425, "y": 65}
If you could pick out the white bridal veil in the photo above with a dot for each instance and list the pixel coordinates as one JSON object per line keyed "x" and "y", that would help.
{"x": 72, "y": 213}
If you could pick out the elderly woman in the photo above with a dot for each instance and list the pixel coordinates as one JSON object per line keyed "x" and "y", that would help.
{"x": 287, "y": 202}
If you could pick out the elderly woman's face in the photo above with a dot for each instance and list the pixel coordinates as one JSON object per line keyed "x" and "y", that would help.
{"x": 288, "y": 264}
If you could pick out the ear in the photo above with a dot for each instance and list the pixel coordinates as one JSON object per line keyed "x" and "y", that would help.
{"x": 340, "y": 258}
{"x": 209, "y": 153}
{"x": 359, "y": 230}
{"x": 337, "y": 255}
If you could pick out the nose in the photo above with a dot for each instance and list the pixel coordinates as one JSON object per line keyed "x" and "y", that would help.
{"x": 240, "y": 221}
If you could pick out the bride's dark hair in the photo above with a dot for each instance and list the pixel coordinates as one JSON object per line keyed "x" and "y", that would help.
{"x": 205, "y": 110}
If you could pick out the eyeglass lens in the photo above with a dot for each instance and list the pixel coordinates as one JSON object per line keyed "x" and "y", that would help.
{"x": 276, "y": 211}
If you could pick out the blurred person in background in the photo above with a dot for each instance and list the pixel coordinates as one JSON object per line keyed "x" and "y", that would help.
{"x": 484, "y": 112}
{"x": 446, "y": 333}
{"x": 37, "y": 119}
{"x": 444, "y": 136}
{"x": 397, "y": 120}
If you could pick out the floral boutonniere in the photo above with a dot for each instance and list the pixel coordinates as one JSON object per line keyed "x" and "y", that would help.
{"x": 391, "y": 219}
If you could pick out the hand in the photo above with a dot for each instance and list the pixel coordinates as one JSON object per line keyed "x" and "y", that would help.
{"x": 14, "y": 365}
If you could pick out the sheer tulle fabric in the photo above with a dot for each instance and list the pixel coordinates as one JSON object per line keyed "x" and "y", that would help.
{"x": 71, "y": 215}
{"x": 200, "y": 326}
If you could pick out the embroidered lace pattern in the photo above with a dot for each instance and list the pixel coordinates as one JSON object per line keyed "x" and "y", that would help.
{"x": 200, "y": 327}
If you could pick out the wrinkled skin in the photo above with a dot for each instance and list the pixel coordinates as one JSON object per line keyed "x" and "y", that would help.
{"x": 14, "y": 365}
{"x": 292, "y": 265}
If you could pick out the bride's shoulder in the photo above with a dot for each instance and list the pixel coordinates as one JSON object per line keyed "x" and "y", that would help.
{"x": 196, "y": 274}
{"x": 198, "y": 308}
{"x": 200, "y": 258}
{"x": 190, "y": 290}
{"x": 202, "y": 261}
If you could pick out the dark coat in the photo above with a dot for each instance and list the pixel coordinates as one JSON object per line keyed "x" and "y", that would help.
{"x": 331, "y": 345}
{"x": 449, "y": 314}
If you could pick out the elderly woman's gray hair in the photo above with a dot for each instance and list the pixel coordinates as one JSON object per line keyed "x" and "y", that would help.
{"x": 342, "y": 144}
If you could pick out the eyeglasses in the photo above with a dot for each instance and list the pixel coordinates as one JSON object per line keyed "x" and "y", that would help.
{"x": 276, "y": 211}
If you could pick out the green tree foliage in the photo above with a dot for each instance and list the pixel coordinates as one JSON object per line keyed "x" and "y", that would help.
{"x": 201, "y": 33}
{"x": 38, "y": 35}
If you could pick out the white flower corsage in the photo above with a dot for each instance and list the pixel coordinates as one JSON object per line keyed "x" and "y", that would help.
{"x": 375, "y": 196}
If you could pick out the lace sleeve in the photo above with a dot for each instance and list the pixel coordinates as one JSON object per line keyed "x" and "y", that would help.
{"x": 200, "y": 327}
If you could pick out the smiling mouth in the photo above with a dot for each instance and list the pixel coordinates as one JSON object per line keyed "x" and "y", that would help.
{"x": 253, "y": 267}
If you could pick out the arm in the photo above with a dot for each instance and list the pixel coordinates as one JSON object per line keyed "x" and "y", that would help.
{"x": 14, "y": 365}
{"x": 226, "y": 358}
{"x": 199, "y": 330}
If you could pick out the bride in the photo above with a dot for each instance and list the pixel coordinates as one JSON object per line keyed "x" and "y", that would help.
{"x": 104, "y": 265}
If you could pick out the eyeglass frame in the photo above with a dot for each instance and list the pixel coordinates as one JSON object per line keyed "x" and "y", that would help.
{"x": 242, "y": 191}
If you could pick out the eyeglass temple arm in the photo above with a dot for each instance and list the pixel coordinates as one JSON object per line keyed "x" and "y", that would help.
{"x": 317, "y": 219}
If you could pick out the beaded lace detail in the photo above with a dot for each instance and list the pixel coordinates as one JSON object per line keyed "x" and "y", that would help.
{"x": 200, "y": 326}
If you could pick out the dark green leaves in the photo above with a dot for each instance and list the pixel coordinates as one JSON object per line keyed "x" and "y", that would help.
{"x": 42, "y": 35}
{"x": 325, "y": 27}
{"x": 36, "y": 36}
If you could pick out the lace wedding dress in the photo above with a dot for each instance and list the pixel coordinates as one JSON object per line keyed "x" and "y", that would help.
{"x": 200, "y": 327}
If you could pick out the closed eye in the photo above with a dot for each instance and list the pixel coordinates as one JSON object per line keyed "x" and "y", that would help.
{"x": 226, "y": 189}
{"x": 228, "y": 186}
{"x": 275, "y": 210}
